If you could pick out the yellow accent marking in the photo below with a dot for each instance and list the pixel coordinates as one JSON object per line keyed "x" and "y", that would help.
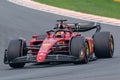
{"x": 46, "y": 44}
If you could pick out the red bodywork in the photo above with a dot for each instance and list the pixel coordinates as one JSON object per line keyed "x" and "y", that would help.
{"x": 51, "y": 41}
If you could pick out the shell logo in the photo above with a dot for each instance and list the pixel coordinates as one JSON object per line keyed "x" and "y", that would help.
{"x": 46, "y": 44}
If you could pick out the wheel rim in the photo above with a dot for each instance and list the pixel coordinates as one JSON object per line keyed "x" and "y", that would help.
{"x": 111, "y": 44}
{"x": 87, "y": 49}
{"x": 83, "y": 54}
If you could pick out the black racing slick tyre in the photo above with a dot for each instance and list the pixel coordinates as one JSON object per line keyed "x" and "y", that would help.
{"x": 103, "y": 45}
{"x": 16, "y": 49}
{"x": 78, "y": 49}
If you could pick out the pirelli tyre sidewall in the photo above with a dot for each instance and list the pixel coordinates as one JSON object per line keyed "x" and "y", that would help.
{"x": 16, "y": 49}
{"x": 78, "y": 49}
{"x": 103, "y": 45}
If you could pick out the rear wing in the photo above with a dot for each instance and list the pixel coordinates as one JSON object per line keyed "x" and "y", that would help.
{"x": 85, "y": 26}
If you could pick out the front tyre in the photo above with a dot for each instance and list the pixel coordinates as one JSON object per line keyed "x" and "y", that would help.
{"x": 16, "y": 49}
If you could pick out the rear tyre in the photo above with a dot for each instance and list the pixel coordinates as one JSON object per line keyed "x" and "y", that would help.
{"x": 16, "y": 48}
{"x": 103, "y": 45}
{"x": 78, "y": 49}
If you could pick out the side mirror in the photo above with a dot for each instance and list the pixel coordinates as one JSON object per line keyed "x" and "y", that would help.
{"x": 35, "y": 36}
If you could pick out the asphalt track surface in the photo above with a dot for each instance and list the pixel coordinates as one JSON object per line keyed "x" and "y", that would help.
{"x": 17, "y": 21}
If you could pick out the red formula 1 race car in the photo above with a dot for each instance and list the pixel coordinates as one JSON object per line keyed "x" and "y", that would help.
{"x": 62, "y": 44}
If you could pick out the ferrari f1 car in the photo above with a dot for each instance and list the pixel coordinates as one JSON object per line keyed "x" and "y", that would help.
{"x": 64, "y": 43}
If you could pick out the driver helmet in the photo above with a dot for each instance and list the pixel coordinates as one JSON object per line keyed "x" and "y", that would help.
{"x": 59, "y": 34}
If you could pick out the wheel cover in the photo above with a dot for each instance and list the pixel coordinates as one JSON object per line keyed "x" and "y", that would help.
{"x": 111, "y": 44}
{"x": 87, "y": 50}
{"x": 83, "y": 54}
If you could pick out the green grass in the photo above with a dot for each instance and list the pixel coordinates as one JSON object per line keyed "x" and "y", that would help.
{"x": 107, "y": 8}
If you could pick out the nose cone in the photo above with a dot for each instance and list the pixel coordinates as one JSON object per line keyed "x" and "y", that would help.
{"x": 41, "y": 57}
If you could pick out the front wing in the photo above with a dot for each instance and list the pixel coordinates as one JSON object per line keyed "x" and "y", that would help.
{"x": 49, "y": 58}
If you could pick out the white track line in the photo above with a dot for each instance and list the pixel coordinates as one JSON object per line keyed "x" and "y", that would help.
{"x": 65, "y": 12}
